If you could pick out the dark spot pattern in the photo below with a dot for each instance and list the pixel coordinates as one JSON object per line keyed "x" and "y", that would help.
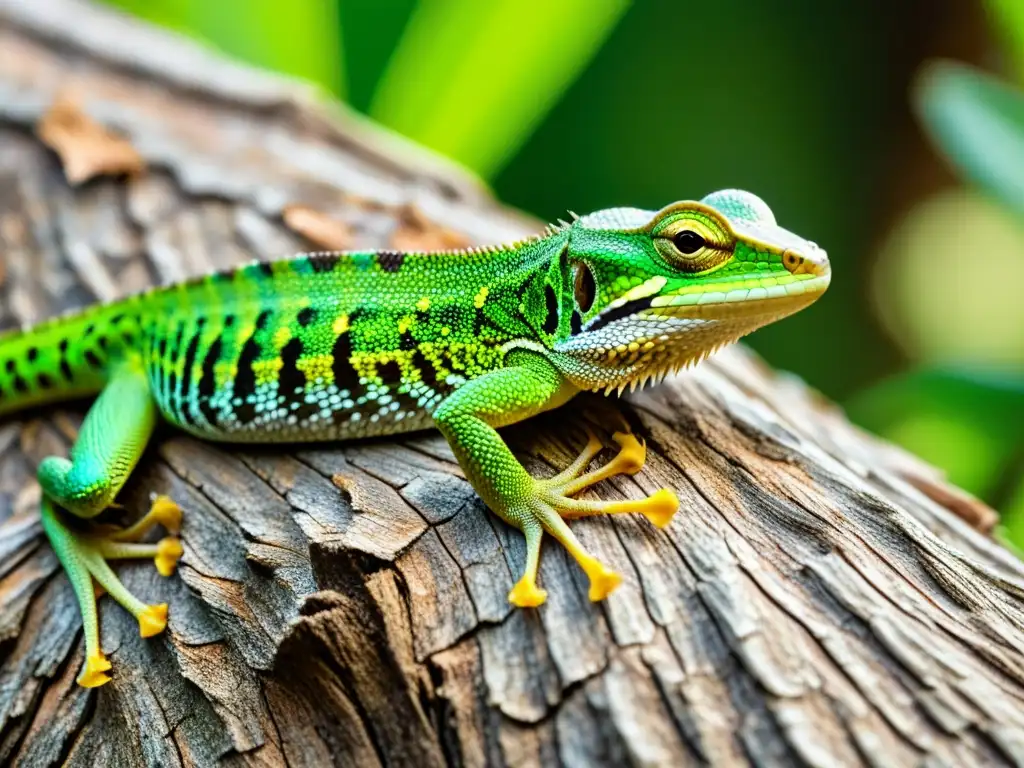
{"x": 323, "y": 262}
{"x": 390, "y": 261}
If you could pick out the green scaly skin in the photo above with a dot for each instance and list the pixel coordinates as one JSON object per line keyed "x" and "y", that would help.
{"x": 340, "y": 346}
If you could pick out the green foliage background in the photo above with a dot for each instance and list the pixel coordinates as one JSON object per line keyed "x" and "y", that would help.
{"x": 590, "y": 103}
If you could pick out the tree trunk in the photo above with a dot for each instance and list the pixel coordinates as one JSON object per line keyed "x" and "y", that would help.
{"x": 819, "y": 598}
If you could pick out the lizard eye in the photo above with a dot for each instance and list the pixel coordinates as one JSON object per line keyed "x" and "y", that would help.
{"x": 688, "y": 241}
{"x": 584, "y": 287}
{"x": 693, "y": 241}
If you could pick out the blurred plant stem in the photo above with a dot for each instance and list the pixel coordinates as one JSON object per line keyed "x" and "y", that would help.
{"x": 300, "y": 38}
{"x": 472, "y": 80}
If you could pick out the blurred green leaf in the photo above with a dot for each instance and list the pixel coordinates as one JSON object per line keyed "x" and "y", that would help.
{"x": 978, "y": 122}
{"x": 1012, "y": 518}
{"x": 300, "y": 38}
{"x": 472, "y": 80}
{"x": 1008, "y": 23}
{"x": 372, "y": 31}
{"x": 966, "y": 421}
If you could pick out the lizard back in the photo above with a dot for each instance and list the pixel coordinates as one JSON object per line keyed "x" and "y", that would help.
{"x": 327, "y": 346}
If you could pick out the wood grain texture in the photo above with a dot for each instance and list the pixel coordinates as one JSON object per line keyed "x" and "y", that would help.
{"x": 818, "y": 600}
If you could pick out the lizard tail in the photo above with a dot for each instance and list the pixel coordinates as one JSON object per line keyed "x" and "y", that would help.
{"x": 62, "y": 358}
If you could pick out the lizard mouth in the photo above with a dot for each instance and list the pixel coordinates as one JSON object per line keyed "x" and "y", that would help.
{"x": 774, "y": 301}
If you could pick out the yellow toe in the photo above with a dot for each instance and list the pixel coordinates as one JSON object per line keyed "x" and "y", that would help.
{"x": 94, "y": 673}
{"x": 167, "y": 513}
{"x": 153, "y": 620}
{"x": 526, "y": 594}
{"x": 168, "y": 550}
{"x": 659, "y": 507}
{"x": 603, "y": 580}
{"x": 632, "y": 455}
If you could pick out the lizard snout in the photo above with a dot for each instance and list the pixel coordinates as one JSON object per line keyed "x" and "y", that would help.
{"x": 808, "y": 260}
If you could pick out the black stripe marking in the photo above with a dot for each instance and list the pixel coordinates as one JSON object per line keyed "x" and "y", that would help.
{"x": 522, "y": 290}
{"x": 184, "y": 413}
{"x": 245, "y": 378}
{"x": 32, "y": 353}
{"x": 10, "y": 365}
{"x": 290, "y": 379}
{"x": 389, "y": 372}
{"x": 306, "y": 316}
{"x": 171, "y": 385}
{"x": 551, "y": 310}
{"x": 20, "y": 385}
{"x": 428, "y": 374}
{"x": 43, "y": 381}
{"x": 92, "y": 359}
{"x": 207, "y": 384}
{"x": 65, "y": 370}
{"x": 627, "y": 309}
{"x": 575, "y": 323}
{"x": 265, "y": 268}
{"x": 344, "y": 374}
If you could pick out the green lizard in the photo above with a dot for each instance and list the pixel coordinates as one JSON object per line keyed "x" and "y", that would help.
{"x": 347, "y": 345}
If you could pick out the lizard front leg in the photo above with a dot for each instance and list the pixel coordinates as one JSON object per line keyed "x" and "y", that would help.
{"x": 113, "y": 437}
{"x": 527, "y": 386}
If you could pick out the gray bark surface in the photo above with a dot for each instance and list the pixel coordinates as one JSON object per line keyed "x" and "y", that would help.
{"x": 821, "y": 598}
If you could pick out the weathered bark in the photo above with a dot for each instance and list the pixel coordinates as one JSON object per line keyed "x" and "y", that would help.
{"x": 818, "y": 599}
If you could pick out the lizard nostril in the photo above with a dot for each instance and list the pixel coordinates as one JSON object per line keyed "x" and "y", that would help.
{"x": 792, "y": 261}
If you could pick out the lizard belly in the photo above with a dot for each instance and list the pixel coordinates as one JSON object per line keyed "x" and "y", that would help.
{"x": 318, "y": 411}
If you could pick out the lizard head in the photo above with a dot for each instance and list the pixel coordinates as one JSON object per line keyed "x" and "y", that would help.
{"x": 654, "y": 292}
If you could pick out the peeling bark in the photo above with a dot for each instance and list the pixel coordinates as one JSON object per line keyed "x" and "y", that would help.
{"x": 818, "y": 600}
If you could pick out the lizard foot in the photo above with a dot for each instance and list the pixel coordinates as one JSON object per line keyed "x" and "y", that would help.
{"x": 551, "y": 501}
{"x": 84, "y": 555}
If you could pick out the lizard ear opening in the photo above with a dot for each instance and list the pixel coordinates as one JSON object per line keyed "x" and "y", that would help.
{"x": 584, "y": 287}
